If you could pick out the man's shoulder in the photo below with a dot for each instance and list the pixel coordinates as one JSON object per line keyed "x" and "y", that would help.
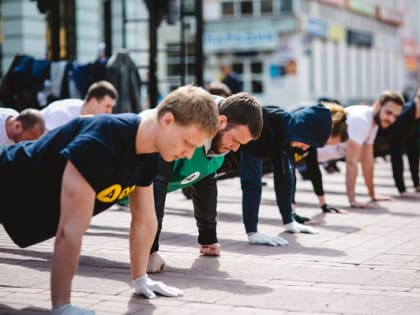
{"x": 63, "y": 105}
{"x": 7, "y": 111}
{"x": 359, "y": 113}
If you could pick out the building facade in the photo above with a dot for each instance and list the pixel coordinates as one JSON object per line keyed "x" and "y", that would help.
{"x": 286, "y": 52}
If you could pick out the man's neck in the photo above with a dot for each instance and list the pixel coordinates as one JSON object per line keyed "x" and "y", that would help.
{"x": 146, "y": 135}
{"x": 85, "y": 110}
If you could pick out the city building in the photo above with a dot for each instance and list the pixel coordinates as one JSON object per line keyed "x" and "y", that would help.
{"x": 286, "y": 52}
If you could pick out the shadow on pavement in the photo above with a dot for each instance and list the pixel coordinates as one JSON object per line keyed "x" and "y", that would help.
{"x": 205, "y": 274}
{"x": 7, "y": 310}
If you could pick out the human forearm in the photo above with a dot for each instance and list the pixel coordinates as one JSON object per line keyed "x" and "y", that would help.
{"x": 143, "y": 229}
{"x": 64, "y": 266}
{"x": 141, "y": 240}
{"x": 367, "y": 169}
{"x": 351, "y": 175}
{"x": 76, "y": 208}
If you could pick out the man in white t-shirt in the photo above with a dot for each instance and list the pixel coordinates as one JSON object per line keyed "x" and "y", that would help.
{"x": 15, "y": 127}
{"x": 100, "y": 99}
{"x": 363, "y": 122}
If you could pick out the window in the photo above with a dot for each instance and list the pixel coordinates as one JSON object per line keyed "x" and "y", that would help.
{"x": 257, "y": 87}
{"x": 228, "y": 8}
{"x": 286, "y": 6}
{"x": 246, "y": 8}
{"x": 238, "y": 68}
{"x": 256, "y": 67}
{"x": 266, "y": 6}
{"x": 174, "y": 62}
{"x": 67, "y": 31}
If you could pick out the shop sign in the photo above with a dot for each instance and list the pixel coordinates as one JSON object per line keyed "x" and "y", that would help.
{"x": 362, "y": 7}
{"x": 316, "y": 27}
{"x": 336, "y": 3}
{"x": 410, "y": 63}
{"x": 237, "y": 40}
{"x": 409, "y": 47}
{"x": 359, "y": 38}
{"x": 389, "y": 15}
{"x": 336, "y": 32}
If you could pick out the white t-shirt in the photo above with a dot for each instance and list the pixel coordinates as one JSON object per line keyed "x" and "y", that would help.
{"x": 360, "y": 128}
{"x": 360, "y": 124}
{"x": 331, "y": 152}
{"x": 5, "y": 113}
{"x": 59, "y": 112}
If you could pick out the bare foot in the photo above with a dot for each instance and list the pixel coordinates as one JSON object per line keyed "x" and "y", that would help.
{"x": 155, "y": 264}
{"x": 210, "y": 249}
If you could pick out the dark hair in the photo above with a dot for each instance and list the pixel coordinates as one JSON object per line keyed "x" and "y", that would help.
{"x": 219, "y": 88}
{"x": 243, "y": 109}
{"x": 100, "y": 89}
{"x": 31, "y": 117}
{"x": 390, "y": 96}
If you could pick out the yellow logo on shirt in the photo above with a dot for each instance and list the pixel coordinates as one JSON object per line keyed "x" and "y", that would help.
{"x": 114, "y": 192}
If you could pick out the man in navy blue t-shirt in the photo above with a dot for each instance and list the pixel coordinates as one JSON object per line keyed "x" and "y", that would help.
{"x": 80, "y": 169}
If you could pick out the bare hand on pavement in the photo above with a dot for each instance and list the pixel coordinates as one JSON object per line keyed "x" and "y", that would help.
{"x": 382, "y": 198}
{"x": 361, "y": 205}
{"x": 210, "y": 249}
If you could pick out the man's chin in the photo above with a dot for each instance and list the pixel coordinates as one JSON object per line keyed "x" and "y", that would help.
{"x": 168, "y": 158}
{"x": 385, "y": 125}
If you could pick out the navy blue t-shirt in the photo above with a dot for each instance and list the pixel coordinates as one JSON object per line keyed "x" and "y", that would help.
{"x": 101, "y": 147}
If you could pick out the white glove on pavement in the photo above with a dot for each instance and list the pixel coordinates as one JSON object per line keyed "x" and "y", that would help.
{"x": 294, "y": 227}
{"x": 263, "y": 239}
{"x": 68, "y": 309}
{"x": 146, "y": 286}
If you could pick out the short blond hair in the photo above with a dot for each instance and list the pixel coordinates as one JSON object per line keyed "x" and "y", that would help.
{"x": 191, "y": 105}
{"x": 339, "y": 124}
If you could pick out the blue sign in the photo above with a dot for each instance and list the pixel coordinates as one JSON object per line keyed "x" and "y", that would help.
{"x": 231, "y": 40}
{"x": 316, "y": 27}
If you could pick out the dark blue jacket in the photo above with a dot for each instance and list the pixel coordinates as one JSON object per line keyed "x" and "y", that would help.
{"x": 310, "y": 125}
{"x": 403, "y": 138}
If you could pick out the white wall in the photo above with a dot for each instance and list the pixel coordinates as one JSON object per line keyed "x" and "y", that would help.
{"x": 24, "y": 30}
{"x": 89, "y": 29}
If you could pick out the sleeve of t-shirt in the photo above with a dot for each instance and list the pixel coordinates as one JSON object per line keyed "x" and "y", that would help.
{"x": 149, "y": 169}
{"x": 92, "y": 158}
{"x": 358, "y": 129}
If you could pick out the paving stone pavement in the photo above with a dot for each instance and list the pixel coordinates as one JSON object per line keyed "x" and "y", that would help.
{"x": 362, "y": 262}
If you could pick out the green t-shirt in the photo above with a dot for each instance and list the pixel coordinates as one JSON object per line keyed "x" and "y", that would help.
{"x": 186, "y": 172}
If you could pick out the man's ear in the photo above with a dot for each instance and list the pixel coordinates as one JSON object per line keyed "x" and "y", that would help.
{"x": 18, "y": 126}
{"x": 223, "y": 121}
{"x": 167, "y": 119}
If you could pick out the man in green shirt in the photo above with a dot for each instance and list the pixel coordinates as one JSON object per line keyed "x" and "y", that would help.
{"x": 240, "y": 121}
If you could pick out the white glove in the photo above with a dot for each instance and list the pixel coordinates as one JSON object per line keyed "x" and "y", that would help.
{"x": 262, "y": 239}
{"x": 294, "y": 227}
{"x": 68, "y": 309}
{"x": 146, "y": 286}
